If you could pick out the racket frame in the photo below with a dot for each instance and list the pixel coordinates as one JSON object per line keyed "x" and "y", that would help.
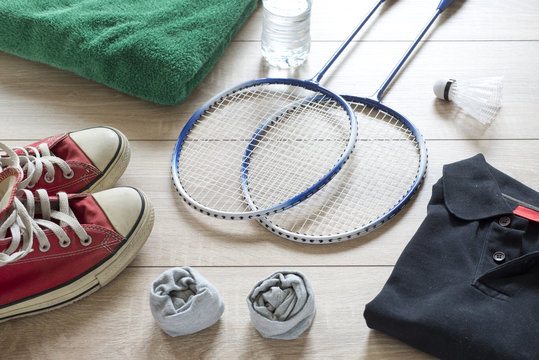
{"x": 348, "y": 235}
{"x": 255, "y": 212}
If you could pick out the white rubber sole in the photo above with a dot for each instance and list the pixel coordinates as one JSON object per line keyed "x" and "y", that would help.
{"x": 92, "y": 281}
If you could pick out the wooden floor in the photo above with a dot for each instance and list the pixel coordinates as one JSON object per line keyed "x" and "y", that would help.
{"x": 474, "y": 38}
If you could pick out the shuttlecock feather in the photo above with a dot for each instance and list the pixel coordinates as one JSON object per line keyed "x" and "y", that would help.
{"x": 480, "y": 98}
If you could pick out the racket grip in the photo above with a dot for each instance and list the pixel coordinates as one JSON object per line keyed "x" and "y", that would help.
{"x": 444, "y": 4}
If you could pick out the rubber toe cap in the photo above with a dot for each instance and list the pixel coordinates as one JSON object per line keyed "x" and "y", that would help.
{"x": 100, "y": 144}
{"x": 123, "y": 207}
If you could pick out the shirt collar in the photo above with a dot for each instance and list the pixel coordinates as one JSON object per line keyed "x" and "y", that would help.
{"x": 471, "y": 190}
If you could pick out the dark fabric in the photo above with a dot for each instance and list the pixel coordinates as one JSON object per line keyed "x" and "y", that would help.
{"x": 447, "y": 295}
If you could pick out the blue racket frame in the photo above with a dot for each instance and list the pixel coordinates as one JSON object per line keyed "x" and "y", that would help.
{"x": 245, "y": 163}
{"x": 311, "y": 84}
{"x": 421, "y": 173}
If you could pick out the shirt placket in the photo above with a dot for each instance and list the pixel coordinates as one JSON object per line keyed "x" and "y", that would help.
{"x": 503, "y": 257}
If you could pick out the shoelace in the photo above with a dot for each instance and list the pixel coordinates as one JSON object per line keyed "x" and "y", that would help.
{"x": 23, "y": 225}
{"x": 34, "y": 161}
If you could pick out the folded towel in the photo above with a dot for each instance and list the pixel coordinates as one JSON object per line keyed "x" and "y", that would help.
{"x": 183, "y": 302}
{"x": 282, "y": 305}
{"x": 156, "y": 50}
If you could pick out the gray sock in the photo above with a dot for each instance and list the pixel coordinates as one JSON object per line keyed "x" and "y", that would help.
{"x": 282, "y": 306}
{"x": 184, "y": 302}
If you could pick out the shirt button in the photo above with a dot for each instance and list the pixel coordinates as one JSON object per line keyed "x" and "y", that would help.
{"x": 499, "y": 256}
{"x": 504, "y": 221}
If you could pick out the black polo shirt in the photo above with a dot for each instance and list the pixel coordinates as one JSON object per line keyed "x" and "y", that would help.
{"x": 467, "y": 284}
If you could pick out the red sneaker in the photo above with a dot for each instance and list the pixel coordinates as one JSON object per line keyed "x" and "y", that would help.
{"x": 55, "y": 250}
{"x": 80, "y": 161}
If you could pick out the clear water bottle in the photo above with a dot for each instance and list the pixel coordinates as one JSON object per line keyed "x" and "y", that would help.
{"x": 286, "y": 38}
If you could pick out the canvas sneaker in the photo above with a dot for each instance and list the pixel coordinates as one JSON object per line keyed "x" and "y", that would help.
{"x": 55, "y": 250}
{"x": 80, "y": 161}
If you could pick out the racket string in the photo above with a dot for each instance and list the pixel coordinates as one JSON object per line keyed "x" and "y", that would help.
{"x": 290, "y": 158}
{"x": 384, "y": 165}
{"x": 293, "y": 159}
{"x": 281, "y": 163}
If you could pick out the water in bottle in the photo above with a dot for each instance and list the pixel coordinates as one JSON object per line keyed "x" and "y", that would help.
{"x": 286, "y": 38}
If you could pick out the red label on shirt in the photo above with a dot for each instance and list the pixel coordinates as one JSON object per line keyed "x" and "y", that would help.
{"x": 527, "y": 213}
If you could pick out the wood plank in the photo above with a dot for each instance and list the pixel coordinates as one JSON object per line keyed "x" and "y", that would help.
{"x": 184, "y": 236}
{"x": 32, "y": 93}
{"x": 116, "y": 322}
{"x": 464, "y": 20}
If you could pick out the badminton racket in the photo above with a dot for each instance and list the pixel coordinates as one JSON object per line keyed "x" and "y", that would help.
{"x": 385, "y": 170}
{"x": 304, "y": 134}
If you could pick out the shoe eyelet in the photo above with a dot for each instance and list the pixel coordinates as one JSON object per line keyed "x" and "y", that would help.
{"x": 69, "y": 175}
{"x": 86, "y": 241}
{"x": 48, "y": 179}
{"x": 30, "y": 186}
{"x": 44, "y": 248}
{"x": 65, "y": 243}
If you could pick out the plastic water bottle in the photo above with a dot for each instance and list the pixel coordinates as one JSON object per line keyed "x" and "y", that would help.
{"x": 286, "y": 38}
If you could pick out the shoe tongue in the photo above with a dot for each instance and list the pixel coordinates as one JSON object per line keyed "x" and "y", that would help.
{"x": 62, "y": 146}
{"x": 9, "y": 179}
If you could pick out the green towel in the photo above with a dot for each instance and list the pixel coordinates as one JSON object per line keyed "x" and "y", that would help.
{"x": 159, "y": 50}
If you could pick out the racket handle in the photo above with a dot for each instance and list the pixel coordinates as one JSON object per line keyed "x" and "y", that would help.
{"x": 444, "y": 4}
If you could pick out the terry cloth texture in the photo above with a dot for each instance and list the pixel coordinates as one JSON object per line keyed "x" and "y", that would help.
{"x": 158, "y": 50}
{"x": 282, "y": 306}
{"x": 183, "y": 302}
{"x": 466, "y": 286}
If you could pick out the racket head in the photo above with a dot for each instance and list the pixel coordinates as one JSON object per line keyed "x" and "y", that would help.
{"x": 211, "y": 163}
{"x": 353, "y": 203}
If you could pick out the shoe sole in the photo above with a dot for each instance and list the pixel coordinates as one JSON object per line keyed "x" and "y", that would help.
{"x": 94, "y": 279}
{"x": 115, "y": 169}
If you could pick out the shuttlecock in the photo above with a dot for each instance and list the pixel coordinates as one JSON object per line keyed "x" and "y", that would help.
{"x": 480, "y": 98}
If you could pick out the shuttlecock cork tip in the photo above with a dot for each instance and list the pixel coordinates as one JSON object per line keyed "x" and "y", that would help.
{"x": 441, "y": 88}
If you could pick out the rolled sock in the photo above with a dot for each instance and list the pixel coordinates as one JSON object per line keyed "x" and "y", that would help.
{"x": 183, "y": 302}
{"x": 282, "y": 305}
